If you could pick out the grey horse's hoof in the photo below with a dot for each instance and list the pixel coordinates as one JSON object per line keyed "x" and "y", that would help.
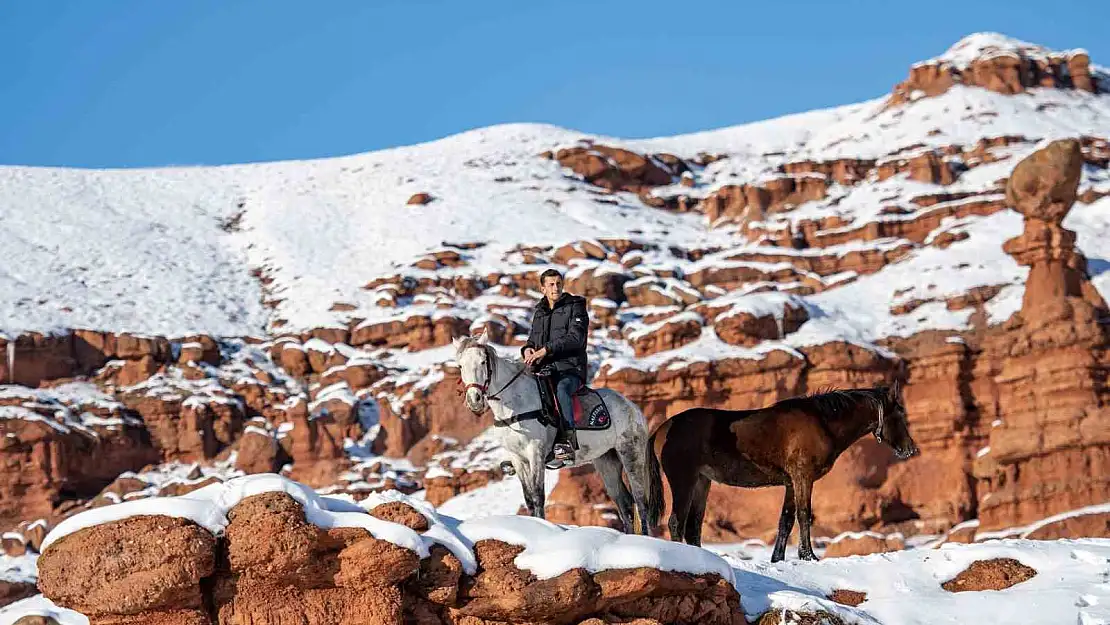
{"x": 507, "y": 468}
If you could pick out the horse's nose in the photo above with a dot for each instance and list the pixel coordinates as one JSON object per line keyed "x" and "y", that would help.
{"x": 474, "y": 400}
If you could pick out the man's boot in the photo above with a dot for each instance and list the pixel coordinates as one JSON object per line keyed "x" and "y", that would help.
{"x": 567, "y": 441}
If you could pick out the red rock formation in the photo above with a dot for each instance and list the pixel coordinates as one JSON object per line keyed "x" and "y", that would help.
{"x": 43, "y": 461}
{"x": 258, "y": 453}
{"x": 598, "y": 282}
{"x": 128, "y": 567}
{"x": 748, "y": 329}
{"x": 862, "y": 261}
{"x": 434, "y": 409}
{"x": 415, "y": 332}
{"x": 845, "y": 171}
{"x": 848, "y": 597}
{"x": 615, "y": 169}
{"x": 928, "y": 166}
{"x": 863, "y": 544}
{"x": 747, "y": 203}
{"x": 579, "y": 498}
{"x": 667, "y": 335}
{"x": 440, "y": 488}
{"x": 29, "y": 359}
{"x": 916, "y": 229}
{"x": 188, "y": 428}
{"x": 315, "y": 442}
{"x": 275, "y": 567}
{"x": 1049, "y": 364}
{"x": 1006, "y": 72}
{"x": 10, "y": 592}
{"x": 1079, "y": 525}
{"x": 996, "y": 574}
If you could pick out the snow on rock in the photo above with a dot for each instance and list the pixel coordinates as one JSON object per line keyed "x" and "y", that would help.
{"x": 19, "y": 568}
{"x": 40, "y": 606}
{"x": 504, "y": 497}
{"x": 208, "y": 507}
{"x": 904, "y": 588}
{"x": 550, "y": 549}
{"x": 1028, "y": 530}
{"x": 602, "y": 548}
{"x": 989, "y": 44}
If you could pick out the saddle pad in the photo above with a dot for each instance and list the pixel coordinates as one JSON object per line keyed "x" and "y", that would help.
{"x": 590, "y": 411}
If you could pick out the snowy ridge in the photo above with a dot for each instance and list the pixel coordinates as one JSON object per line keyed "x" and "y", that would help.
{"x": 989, "y": 44}
{"x": 170, "y": 251}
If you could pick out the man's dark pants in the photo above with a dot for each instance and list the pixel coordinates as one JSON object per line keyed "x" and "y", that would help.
{"x": 568, "y": 383}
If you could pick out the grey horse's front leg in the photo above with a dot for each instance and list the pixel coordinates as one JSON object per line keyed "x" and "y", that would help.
{"x": 531, "y": 482}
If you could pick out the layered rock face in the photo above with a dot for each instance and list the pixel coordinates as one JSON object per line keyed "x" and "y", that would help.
{"x": 999, "y": 68}
{"x": 273, "y": 567}
{"x": 1008, "y": 418}
{"x": 1049, "y": 452}
{"x": 1008, "y": 414}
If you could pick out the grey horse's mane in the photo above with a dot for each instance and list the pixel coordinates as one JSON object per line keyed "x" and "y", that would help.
{"x": 468, "y": 342}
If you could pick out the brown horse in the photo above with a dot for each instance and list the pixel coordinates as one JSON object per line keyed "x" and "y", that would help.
{"x": 792, "y": 443}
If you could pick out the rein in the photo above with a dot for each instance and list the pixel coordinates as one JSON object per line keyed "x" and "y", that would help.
{"x": 484, "y": 388}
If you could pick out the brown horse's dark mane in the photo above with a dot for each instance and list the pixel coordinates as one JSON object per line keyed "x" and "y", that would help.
{"x": 833, "y": 402}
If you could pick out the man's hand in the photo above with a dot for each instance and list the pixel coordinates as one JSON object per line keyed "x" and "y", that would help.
{"x": 534, "y": 355}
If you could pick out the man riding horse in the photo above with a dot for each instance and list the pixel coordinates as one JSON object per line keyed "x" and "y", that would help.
{"x": 557, "y": 344}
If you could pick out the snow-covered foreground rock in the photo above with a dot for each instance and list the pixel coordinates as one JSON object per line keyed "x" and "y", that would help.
{"x": 287, "y": 553}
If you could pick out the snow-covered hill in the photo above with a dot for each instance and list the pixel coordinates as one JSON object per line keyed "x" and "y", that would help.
{"x": 171, "y": 250}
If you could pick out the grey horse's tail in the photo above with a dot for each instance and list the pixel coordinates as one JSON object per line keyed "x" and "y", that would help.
{"x": 655, "y": 480}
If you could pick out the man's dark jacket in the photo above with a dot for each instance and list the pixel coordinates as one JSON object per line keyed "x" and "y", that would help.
{"x": 562, "y": 330}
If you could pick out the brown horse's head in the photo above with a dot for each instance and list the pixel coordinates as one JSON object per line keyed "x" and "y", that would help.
{"x": 892, "y": 427}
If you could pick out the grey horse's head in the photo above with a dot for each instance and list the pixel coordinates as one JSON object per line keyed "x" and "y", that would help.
{"x": 476, "y": 361}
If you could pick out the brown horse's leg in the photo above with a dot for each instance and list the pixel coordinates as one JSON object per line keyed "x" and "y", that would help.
{"x": 803, "y": 488}
{"x": 786, "y": 524}
{"x": 694, "y": 518}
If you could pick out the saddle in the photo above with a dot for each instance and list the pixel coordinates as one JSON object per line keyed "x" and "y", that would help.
{"x": 590, "y": 411}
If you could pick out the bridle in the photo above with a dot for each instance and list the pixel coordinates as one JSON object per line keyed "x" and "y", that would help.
{"x": 484, "y": 388}
{"x": 878, "y": 431}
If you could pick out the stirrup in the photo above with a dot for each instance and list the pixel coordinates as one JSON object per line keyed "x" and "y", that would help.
{"x": 568, "y": 452}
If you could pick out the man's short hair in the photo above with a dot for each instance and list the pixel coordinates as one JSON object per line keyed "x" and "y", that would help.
{"x": 550, "y": 273}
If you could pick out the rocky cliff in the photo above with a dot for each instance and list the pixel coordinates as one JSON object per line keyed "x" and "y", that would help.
{"x": 951, "y": 235}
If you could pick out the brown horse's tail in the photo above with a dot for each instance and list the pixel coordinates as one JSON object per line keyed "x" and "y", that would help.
{"x": 655, "y": 480}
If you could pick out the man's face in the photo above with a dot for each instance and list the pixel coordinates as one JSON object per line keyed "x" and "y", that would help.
{"x": 552, "y": 287}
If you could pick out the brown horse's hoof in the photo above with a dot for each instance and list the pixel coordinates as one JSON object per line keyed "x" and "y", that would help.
{"x": 810, "y": 557}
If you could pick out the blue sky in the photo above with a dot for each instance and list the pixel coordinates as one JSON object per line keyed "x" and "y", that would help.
{"x": 126, "y": 83}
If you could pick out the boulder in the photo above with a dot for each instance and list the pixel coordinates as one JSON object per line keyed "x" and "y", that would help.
{"x": 995, "y": 574}
{"x": 126, "y": 567}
